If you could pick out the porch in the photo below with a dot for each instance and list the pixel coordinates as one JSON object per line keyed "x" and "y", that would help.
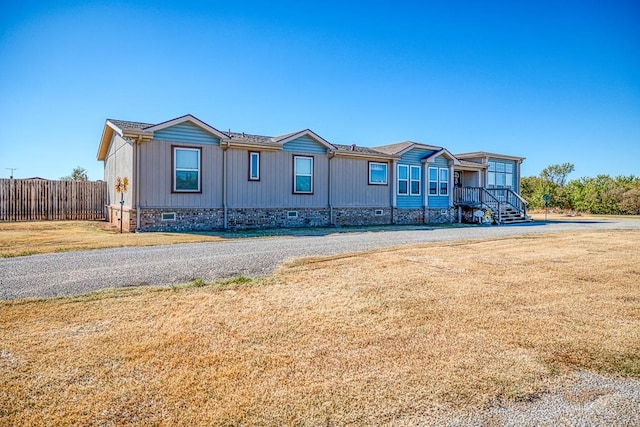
{"x": 507, "y": 206}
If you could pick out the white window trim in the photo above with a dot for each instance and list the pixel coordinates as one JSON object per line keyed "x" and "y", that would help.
{"x": 440, "y": 181}
{"x": 411, "y": 180}
{"x": 437, "y": 181}
{"x": 495, "y": 173}
{"x": 296, "y": 174}
{"x": 176, "y": 169}
{"x": 401, "y": 179}
{"x": 386, "y": 173}
{"x": 254, "y": 155}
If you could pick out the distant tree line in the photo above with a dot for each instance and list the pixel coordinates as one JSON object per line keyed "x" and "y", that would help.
{"x": 600, "y": 195}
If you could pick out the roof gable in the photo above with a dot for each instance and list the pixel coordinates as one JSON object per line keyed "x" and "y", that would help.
{"x": 444, "y": 153}
{"x": 187, "y": 118}
{"x": 400, "y": 148}
{"x": 283, "y": 139}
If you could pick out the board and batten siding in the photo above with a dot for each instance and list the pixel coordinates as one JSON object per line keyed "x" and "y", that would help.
{"x": 275, "y": 187}
{"x": 350, "y": 184}
{"x": 186, "y": 132}
{"x": 156, "y": 170}
{"x": 413, "y": 158}
{"x": 118, "y": 163}
{"x": 438, "y": 201}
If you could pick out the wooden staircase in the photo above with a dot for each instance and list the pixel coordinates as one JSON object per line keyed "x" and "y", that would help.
{"x": 511, "y": 215}
{"x": 507, "y": 206}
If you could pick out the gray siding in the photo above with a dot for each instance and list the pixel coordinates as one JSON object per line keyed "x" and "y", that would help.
{"x": 275, "y": 188}
{"x": 155, "y": 177}
{"x": 118, "y": 163}
{"x": 350, "y": 184}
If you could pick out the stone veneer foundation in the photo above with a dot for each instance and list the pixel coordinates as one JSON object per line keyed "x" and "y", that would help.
{"x": 252, "y": 218}
{"x": 129, "y": 216}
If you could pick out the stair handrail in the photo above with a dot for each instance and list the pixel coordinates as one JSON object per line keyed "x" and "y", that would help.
{"x": 523, "y": 202}
{"x": 495, "y": 200}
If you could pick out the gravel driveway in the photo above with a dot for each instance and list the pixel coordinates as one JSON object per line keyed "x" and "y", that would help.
{"x": 80, "y": 272}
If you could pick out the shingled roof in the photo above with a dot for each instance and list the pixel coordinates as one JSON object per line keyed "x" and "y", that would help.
{"x": 394, "y": 148}
{"x": 127, "y": 125}
{"x": 357, "y": 149}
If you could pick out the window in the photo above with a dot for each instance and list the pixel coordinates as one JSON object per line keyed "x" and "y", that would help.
{"x": 377, "y": 173}
{"x": 168, "y": 216}
{"x": 433, "y": 181}
{"x": 415, "y": 181}
{"x": 500, "y": 175}
{"x": 491, "y": 174}
{"x": 444, "y": 182}
{"x": 509, "y": 174}
{"x": 186, "y": 169}
{"x": 438, "y": 181}
{"x": 303, "y": 175}
{"x": 403, "y": 179}
{"x": 254, "y": 166}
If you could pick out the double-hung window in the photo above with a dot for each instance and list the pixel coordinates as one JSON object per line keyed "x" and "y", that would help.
{"x": 438, "y": 181}
{"x": 433, "y": 181}
{"x": 303, "y": 175}
{"x": 186, "y": 170}
{"x": 403, "y": 179}
{"x": 444, "y": 182}
{"x": 377, "y": 173}
{"x": 415, "y": 181}
{"x": 254, "y": 166}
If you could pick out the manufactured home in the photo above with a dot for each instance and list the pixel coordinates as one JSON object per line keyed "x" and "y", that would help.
{"x": 184, "y": 174}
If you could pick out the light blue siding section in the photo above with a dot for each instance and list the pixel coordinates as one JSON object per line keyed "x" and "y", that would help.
{"x": 413, "y": 158}
{"x": 439, "y": 201}
{"x": 186, "y": 132}
{"x": 304, "y": 144}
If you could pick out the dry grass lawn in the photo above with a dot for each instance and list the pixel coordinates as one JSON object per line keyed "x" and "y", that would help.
{"x": 29, "y": 238}
{"x": 391, "y": 336}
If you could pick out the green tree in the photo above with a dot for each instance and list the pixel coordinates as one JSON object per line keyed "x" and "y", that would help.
{"x": 557, "y": 174}
{"x": 552, "y": 181}
{"x": 78, "y": 174}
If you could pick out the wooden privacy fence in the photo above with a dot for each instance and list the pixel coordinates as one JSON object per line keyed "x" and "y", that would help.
{"x": 40, "y": 199}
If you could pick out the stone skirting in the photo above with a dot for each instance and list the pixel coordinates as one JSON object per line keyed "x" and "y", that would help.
{"x": 200, "y": 219}
{"x": 240, "y": 219}
{"x": 441, "y": 216}
{"x": 409, "y": 216}
{"x": 129, "y": 216}
{"x": 362, "y": 216}
{"x": 185, "y": 219}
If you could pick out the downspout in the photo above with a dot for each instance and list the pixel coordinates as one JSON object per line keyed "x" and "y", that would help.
{"x": 137, "y": 181}
{"x": 425, "y": 192}
{"x": 224, "y": 186}
{"x": 331, "y": 156}
{"x": 394, "y": 200}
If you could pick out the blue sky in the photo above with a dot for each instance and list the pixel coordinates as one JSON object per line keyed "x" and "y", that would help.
{"x": 553, "y": 82}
